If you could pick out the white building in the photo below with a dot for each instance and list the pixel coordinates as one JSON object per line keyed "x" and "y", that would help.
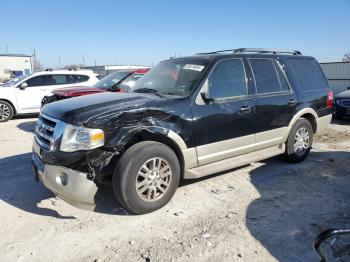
{"x": 14, "y": 65}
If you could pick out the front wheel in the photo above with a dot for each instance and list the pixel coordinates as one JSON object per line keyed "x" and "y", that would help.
{"x": 299, "y": 141}
{"x": 146, "y": 177}
{"x": 6, "y": 111}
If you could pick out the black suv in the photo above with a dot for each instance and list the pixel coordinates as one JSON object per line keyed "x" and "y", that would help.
{"x": 187, "y": 117}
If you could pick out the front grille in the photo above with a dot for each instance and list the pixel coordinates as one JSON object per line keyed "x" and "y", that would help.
{"x": 44, "y": 131}
{"x": 345, "y": 102}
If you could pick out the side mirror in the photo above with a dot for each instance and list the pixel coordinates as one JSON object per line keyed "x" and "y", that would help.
{"x": 23, "y": 86}
{"x": 207, "y": 98}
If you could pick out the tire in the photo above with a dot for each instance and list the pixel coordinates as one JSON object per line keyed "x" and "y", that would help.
{"x": 294, "y": 153}
{"x": 6, "y": 111}
{"x": 137, "y": 160}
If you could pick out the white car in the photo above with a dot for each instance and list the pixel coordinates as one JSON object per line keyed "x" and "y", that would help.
{"x": 24, "y": 96}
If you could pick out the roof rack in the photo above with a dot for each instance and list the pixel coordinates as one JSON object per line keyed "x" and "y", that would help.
{"x": 254, "y": 50}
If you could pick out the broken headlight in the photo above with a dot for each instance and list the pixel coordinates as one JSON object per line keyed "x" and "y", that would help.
{"x": 77, "y": 138}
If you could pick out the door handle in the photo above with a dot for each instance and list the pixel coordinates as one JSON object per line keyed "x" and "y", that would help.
{"x": 292, "y": 102}
{"x": 245, "y": 109}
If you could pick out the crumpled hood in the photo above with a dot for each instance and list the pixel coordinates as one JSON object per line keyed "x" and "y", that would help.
{"x": 77, "y": 91}
{"x": 345, "y": 94}
{"x": 99, "y": 109}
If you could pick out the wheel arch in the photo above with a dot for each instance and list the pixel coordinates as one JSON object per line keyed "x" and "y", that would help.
{"x": 169, "y": 138}
{"x": 13, "y": 107}
{"x": 307, "y": 113}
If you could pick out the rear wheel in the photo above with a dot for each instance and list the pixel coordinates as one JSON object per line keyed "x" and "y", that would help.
{"x": 299, "y": 141}
{"x": 146, "y": 177}
{"x": 6, "y": 111}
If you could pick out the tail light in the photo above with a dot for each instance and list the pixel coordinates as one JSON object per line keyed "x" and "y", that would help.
{"x": 330, "y": 99}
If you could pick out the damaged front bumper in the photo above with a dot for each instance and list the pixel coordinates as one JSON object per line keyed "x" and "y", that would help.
{"x": 70, "y": 185}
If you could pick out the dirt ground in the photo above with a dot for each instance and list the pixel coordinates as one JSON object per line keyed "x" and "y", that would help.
{"x": 267, "y": 211}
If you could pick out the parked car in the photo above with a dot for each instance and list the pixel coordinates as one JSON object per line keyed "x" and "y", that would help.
{"x": 24, "y": 95}
{"x": 342, "y": 104}
{"x": 119, "y": 81}
{"x": 187, "y": 118}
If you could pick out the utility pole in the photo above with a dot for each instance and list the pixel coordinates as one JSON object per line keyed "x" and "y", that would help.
{"x": 59, "y": 62}
{"x": 83, "y": 60}
{"x": 34, "y": 61}
{"x": 7, "y": 49}
{"x": 95, "y": 63}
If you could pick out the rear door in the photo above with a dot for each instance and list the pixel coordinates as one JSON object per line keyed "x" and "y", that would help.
{"x": 223, "y": 128}
{"x": 276, "y": 102}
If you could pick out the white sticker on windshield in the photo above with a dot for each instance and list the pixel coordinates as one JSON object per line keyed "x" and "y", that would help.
{"x": 198, "y": 68}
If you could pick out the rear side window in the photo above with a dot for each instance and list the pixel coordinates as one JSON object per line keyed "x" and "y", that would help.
{"x": 308, "y": 74}
{"x": 227, "y": 79}
{"x": 68, "y": 79}
{"x": 81, "y": 78}
{"x": 268, "y": 76}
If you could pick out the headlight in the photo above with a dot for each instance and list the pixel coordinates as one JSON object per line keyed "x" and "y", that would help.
{"x": 77, "y": 138}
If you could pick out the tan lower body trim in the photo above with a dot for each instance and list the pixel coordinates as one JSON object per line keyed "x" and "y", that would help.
{"x": 323, "y": 122}
{"x": 225, "y": 149}
{"x": 234, "y": 162}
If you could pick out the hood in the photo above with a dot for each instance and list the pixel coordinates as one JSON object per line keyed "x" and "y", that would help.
{"x": 77, "y": 91}
{"x": 99, "y": 108}
{"x": 345, "y": 94}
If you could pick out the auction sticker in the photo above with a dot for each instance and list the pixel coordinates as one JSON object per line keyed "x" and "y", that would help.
{"x": 198, "y": 68}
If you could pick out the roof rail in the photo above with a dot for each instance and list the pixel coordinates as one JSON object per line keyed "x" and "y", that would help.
{"x": 254, "y": 50}
{"x": 266, "y": 51}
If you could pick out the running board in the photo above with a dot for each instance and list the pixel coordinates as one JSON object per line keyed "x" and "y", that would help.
{"x": 233, "y": 162}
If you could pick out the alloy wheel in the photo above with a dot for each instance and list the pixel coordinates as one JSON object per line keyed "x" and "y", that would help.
{"x": 153, "y": 179}
{"x": 4, "y": 112}
{"x": 301, "y": 141}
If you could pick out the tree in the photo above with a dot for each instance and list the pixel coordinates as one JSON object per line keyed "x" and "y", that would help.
{"x": 37, "y": 66}
{"x": 346, "y": 57}
{"x": 73, "y": 66}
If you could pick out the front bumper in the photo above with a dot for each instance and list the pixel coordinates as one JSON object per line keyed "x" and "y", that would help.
{"x": 70, "y": 185}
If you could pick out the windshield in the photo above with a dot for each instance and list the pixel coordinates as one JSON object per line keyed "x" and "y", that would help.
{"x": 172, "y": 77}
{"x": 111, "y": 81}
{"x": 14, "y": 81}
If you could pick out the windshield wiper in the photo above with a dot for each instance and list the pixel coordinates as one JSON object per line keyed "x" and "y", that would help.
{"x": 148, "y": 90}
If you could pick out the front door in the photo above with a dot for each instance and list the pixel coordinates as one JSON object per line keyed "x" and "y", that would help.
{"x": 29, "y": 98}
{"x": 223, "y": 121}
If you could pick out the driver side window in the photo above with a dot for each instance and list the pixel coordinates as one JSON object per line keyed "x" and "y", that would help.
{"x": 227, "y": 79}
{"x": 42, "y": 80}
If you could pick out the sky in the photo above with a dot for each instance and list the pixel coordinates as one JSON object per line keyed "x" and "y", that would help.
{"x": 146, "y": 32}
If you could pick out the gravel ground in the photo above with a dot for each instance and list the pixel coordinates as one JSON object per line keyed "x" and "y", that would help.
{"x": 266, "y": 211}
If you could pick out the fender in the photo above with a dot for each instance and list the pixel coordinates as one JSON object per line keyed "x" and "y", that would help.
{"x": 188, "y": 155}
{"x": 303, "y": 111}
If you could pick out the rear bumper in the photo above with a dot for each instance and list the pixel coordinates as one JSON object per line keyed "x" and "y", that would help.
{"x": 70, "y": 185}
{"x": 323, "y": 122}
